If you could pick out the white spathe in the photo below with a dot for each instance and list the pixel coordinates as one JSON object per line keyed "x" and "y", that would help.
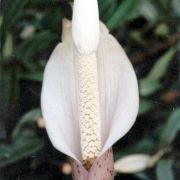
{"x": 118, "y": 93}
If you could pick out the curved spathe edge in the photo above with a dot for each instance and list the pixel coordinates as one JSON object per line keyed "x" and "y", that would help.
{"x": 128, "y": 97}
{"x": 53, "y": 107}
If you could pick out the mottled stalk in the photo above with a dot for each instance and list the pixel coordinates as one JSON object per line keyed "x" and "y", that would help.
{"x": 102, "y": 169}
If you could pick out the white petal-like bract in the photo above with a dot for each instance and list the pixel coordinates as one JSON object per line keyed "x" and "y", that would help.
{"x": 58, "y": 98}
{"x": 133, "y": 163}
{"x": 118, "y": 94}
{"x": 118, "y": 90}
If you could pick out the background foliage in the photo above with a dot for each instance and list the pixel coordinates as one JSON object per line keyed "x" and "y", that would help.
{"x": 149, "y": 32}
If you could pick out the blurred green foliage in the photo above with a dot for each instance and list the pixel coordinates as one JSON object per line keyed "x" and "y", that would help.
{"x": 149, "y": 32}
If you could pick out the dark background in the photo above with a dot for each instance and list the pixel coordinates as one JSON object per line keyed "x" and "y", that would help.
{"x": 149, "y": 32}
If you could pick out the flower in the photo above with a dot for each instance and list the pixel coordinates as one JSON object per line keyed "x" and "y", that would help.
{"x": 90, "y": 94}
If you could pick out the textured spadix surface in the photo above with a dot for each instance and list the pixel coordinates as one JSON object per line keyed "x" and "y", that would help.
{"x": 89, "y": 114}
{"x": 117, "y": 88}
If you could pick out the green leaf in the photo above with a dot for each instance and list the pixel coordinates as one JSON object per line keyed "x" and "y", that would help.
{"x": 8, "y": 46}
{"x": 161, "y": 66}
{"x": 34, "y": 76}
{"x": 145, "y": 106}
{"x": 1, "y": 20}
{"x": 162, "y": 30}
{"x": 144, "y": 146}
{"x": 110, "y": 10}
{"x": 170, "y": 129}
{"x": 162, "y": 6}
{"x": 2, "y": 129}
{"x": 24, "y": 146}
{"x": 24, "y": 141}
{"x": 7, "y": 85}
{"x": 148, "y": 86}
{"x": 148, "y": 11}
{"x": 12, "y": 13}
{"x": 33, "y": 45}
{"x": 29, "y": 118}
{"x": 164, "y": 170}
{"x": 27, "y": 32}
{"x": 137, "y": 37}
{"x": 125, "y": 9}
{"x": 104, "y": 5}
{"x": 151, "y": 84}
{"x": 142, "y": 175}
{"x": 175, "y": 5}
